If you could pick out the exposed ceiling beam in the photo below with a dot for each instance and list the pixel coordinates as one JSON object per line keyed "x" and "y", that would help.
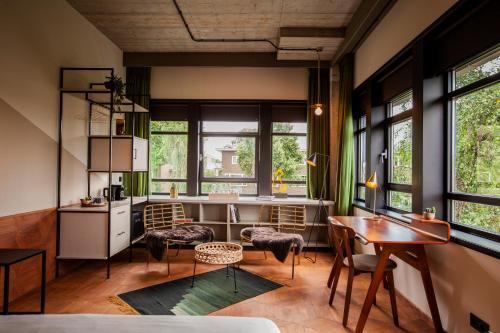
{"x": 312, "y": 32}
{"x": 222, "y": 59}
{"x": 364, "y": 20}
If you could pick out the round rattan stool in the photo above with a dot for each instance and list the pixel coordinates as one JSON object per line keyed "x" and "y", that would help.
{"x": 218, "y": 253}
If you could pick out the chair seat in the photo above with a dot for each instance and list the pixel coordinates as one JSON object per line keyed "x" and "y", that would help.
{"x": 368, "y": 263}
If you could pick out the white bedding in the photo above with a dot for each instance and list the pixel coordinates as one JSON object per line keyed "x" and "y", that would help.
{"x": 88, "y": 323}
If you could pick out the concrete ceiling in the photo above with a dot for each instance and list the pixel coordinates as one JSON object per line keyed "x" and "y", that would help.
{"x": 155, "y": 25}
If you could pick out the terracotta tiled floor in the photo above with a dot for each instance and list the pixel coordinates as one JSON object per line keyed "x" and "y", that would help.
{"x": 300, "y": 306}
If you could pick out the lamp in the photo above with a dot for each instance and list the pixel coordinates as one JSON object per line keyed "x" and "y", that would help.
{"x": 371, "y": 183}
{"x": 312, "y": 161}
{"x": 318, "y": 106}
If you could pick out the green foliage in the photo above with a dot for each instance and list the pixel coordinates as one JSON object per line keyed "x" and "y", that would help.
{"x": 245, "y": 150}
{"x": 477, "y": 147}
{"x": 168, "y": 149}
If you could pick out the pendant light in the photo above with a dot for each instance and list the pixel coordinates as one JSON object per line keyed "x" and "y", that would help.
{"x": 318, "y": 106}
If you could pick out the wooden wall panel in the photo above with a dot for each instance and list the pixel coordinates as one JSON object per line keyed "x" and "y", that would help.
{"x": 29, "y": 230}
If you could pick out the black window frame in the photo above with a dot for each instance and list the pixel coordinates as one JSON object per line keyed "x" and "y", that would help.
{"x": 450, "y": 195}
{"x": 170, "y": 180}
{"x": 390, "y": 120}
{"x": 304, "y": 134}
{"x": 359, "y": 129}
{"x": 237, "y": 180}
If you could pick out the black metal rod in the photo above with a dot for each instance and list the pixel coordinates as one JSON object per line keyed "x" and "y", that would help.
{"x": 238, "y": 40}
{"x": 110, "y": 177}
{"x": 234, "y": 274}
{"x": 42, "y": 291}
{"x": 194, "y": 273}
{"x": 6, "y": 290}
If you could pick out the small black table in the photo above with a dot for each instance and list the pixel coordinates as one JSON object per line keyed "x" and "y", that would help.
{"x": 9, "y": 257}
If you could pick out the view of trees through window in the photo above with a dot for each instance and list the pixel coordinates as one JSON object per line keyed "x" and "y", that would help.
{"x": 168, "y": 155}
{"x": 476, "y": 144}
{"x": 400, "y": 151}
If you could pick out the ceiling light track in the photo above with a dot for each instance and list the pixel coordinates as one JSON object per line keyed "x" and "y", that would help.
{"x": 239, "y": 40}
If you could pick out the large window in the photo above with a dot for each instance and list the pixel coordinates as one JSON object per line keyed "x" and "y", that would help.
{"x": 399, "y": 139}
{"x": 289, "y": 147}
{"x": 168, "y": 156}
{"x": 360, "y": 141}
{"x": 229, "y": 151}
{"x": 474, "y": 185}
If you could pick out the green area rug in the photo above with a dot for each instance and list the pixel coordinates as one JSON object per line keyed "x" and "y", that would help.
{"x": 212, "y": 291}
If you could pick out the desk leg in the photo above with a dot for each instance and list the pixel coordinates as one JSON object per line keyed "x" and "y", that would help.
{"x": 6, "y": 290}
{"x": 42, "y": 292}
{"x": 387, "y": 250}
{"x": 429, "y": 289}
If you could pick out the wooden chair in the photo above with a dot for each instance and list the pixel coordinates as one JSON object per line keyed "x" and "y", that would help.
{"x": 161, "y": 217}
{"x": 283, "y": 218}
{"x": 356, "y": 263}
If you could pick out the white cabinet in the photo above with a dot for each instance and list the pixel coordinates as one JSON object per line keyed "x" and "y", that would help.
{"x": 122, "y": 154}
{"x": 84, "y": 233}
{"x": 140, "y": 154}
{"x": 120, "y": 229}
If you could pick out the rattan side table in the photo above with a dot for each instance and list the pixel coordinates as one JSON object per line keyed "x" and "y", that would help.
{"x": 218, "y": 253}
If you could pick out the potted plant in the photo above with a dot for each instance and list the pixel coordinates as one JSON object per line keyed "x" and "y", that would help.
{"x": 116, "y": 85}
{"x": 430, "y": 213}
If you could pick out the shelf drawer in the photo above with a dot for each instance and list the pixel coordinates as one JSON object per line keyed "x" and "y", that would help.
{"x": 120, "y": 229}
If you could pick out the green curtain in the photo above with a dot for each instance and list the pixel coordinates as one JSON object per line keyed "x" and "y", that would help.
{"x": 138, "y": 85}
{"x": 318, "y": 130}
{"x": 345, "y": 166}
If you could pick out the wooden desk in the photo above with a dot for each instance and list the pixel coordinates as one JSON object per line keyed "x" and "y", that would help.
{"x": 406, "y": 241}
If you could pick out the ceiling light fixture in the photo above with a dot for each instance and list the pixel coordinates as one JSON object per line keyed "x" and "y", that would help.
{"x": 318, "y": 107}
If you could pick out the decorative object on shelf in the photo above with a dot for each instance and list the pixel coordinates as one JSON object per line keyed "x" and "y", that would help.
{"x": 235, "y": 214}
{"x": 86, "y": 201}
{"x": 120, "y": 126}
{"x": 430, "y": 213}
{"x": 117, "y": 86}
{"x": 312, "y": 161}
{"x": 279, "y": 188}
{"x": 318, "y": 106}
{"x": 89, "y": 202}
{"x": 227, "y": 195}
{"x": 371, "y": 183}
{"x": 174, "y": 194}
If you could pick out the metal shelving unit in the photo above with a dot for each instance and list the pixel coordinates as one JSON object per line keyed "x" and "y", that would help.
{"x": 95, "y": 96}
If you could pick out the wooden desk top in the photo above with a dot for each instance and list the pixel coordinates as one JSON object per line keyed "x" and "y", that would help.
{"x": 386, "y": 231}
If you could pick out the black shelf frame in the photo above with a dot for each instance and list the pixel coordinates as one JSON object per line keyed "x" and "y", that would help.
{"x": 110, "y": 106}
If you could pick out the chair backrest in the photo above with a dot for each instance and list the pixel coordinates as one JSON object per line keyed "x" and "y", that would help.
{"x": 341, "y": 239}
{"x": 162, "y": 216}
{"x": 285, "y": 217}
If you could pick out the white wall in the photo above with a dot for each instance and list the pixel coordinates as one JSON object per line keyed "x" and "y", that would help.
{"x": 405, "y": 21}
{"x": 229, "y": 83}
{"x": 464, "y": 281}
{"x": 39, "y": 37}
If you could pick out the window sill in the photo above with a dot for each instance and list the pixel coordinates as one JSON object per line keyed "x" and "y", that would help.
{"x": 476, "y": 243}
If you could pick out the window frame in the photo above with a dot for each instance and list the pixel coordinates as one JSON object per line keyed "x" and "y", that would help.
{"x": 359, "y": 129}
{"x": 239, "y": 180}
{"x": 389, "y": 122}
{"x": 169, "y": 180}
{"x": 450, "y": 195}
{"x": 295, "y": 182}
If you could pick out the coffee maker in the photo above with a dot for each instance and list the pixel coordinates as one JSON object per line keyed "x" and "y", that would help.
{"x": 117, "y": 193}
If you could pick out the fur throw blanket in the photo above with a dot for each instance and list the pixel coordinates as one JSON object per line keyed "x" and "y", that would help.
{"x": 279, "y": 243}
{"x": 155, "y": 239}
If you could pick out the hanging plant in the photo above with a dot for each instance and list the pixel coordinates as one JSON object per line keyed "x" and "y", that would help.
{"x": 116, "y": 85}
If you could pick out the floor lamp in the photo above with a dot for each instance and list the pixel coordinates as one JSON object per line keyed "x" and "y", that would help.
{"x": 312, "y": 161}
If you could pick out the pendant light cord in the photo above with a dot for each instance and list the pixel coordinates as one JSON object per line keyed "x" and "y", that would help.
{"x": 319, "y": 83}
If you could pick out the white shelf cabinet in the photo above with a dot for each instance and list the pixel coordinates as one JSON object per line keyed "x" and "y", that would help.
{"x": 123, "y": 155}
{"x": 84, "y": 231}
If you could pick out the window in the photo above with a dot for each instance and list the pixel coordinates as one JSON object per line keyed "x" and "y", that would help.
{"x": 399, "y": 165}
{"x": 168, "y": 156}
{"x": 474, "y": 151}
{"x": 360, "y": 142}
{"x": 289, "y": 148}
{"x": 229, "y": 150}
